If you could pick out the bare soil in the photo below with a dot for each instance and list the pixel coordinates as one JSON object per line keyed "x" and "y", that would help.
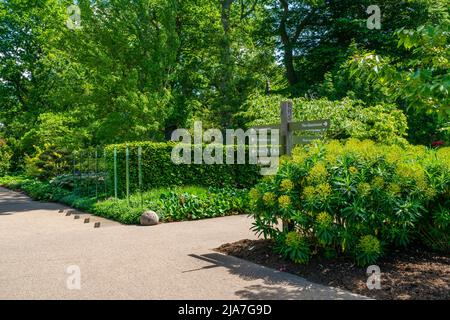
{"x": 415, "y": 274}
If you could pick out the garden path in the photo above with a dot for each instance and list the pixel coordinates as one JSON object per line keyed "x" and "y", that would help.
{"x": 170, "y": 261}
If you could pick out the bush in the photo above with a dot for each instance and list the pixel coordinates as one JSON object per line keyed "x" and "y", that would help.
{"x": 179, "y": 206}
{"x": 159, "y": 170}
{"x": 5, "y": 157}
{"x": 356, "y": 198}
{"x": 349, "y": 118}
{"x": 48, "y": 162}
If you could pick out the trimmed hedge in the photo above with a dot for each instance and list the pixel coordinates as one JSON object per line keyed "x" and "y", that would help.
{"x": 357, "y": 198}
{"x": 158, "y": 170}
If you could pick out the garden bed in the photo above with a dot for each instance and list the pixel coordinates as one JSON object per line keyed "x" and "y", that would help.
{"x": 414, "y": 274}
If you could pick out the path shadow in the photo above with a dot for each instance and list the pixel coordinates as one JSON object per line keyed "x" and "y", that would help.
{"x": 12, "y": 202}
{"x": 275, "y": 285}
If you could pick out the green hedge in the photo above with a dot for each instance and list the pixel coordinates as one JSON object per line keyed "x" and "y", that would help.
{"x": 357, "y": 198}
{"x": 159, "y": 170}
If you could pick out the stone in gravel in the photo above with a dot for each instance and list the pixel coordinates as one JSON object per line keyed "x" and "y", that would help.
{"x": 149, "y": 218}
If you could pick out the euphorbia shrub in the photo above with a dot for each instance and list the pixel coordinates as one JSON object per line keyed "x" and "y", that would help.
{"x": 358, "y": 198}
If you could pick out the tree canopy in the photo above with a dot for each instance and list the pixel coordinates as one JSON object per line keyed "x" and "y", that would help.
{"x": 136, "y": 70}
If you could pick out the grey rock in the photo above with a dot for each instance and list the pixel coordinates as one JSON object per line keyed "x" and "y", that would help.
{"x": 149, "y": 218}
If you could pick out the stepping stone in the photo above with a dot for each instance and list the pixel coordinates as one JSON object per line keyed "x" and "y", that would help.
{"x": 97, "y": 225}
{"x": 87, "y": 220}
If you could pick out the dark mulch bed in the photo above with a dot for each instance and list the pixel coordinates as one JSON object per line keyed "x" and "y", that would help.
{"x": 412, "y": 275}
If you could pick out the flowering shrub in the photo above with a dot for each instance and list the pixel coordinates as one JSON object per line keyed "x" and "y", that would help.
{"x": 358, "y": 198}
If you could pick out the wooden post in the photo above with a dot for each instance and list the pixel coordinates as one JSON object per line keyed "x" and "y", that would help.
{"x": 285, "y": 134}
{"x": 286, "y": 137}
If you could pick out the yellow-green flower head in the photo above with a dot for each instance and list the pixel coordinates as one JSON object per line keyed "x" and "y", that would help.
{"x": 324, "y": 219}
{"x": 394, "y": 189}
{"x": 353, "y": 170}
{"x": 286, "y": 185}
{"x": 254, "y": 194}
{"x": 393, "y": 155}
{"x": 268, "y": 179}
{"x": 378, "y": 182}
{"x": 333, "y": 150}
{"x": 430, "y": 193}
{"x": 369, "y": 244}
{"x": 443, "y": 156}
{"x": 269, "y": 198}
{"x": 318, "y": 174}
{"x": 299, "y": 155}
{"x": 323, "y": 190}
{"x": 417, "y": 152}
{"x": 412, "y": 172}
{"x": 284, "y": 202}
{"x": 293, "y": 239}
{"x": 309, "y": 193}
{"x": 363, "y": 189}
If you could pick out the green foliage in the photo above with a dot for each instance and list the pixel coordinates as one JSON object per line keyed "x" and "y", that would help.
{"x": 349, "y": 118}
{"x": 5, "y": 157}
{"x": 57, "y": 130}
{"x": 178, "y": 206}
{"x": 160, "y": 171}
{"x": 48, "y": 162}
{"x": 358, "y": 198}
{"x": 368, "y": 250}
{"x": 295, "y": 247}
{"x": 421, "y": 81}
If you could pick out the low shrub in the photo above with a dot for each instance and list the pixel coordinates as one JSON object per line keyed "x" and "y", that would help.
{"x": 357, "y": 198}
{"x": 178, "y": 206}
